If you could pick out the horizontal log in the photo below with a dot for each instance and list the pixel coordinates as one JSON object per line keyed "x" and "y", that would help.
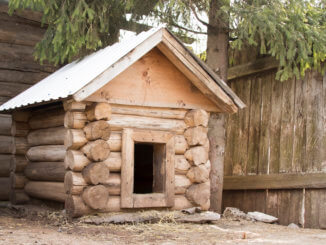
{"x": 96, "y": 197}
{"x": 71, "y": 105}
{"x": 20, "y": 33}
{"x": 17, "y": 181}
{"x": 97, "y": 150}
{"x": 45, "y": 171}
{"x": 275, "y": 181}
{"x": 12, "y": 89}
{"x": 75, "y": 206}
{"x": 118, "y": 122}
{"x": 5, "y": 163}
{"x": 18, "y": 163}
{"x": 12, "y": 76}
{"x": 46, "y": 153}
{"x": 115, "y": 141}
{"x": 181, "y": 165}
{"x": 76, "y": 160}
{"x": 259, "y": 65}
{"x": 9, "y": 54}
{"x": 148, "y": 111}
{"x": 47, "y": 119}
{"x": 181, "y": 202}
{"x": 114, "y": 184}
{"x": 98, "y": 111}
{"x": 74, "y": 182}
{"x": 74, "y": 139}
{"x": 113, "y": 162}
{"x": 23, "y": 16}
{"x": 21, "y": 115}
{"x": 97, "y": 130}
{"x": 75, "y": 119}
{"x": 7, "y": 144}
{"x": 5, "y": 124}
{"x": 5, "y": 188}
{"x": 46, "y": 190}
{"x": 181, "y": 144}
{"x": 113, "y": 205}
{"x": 96, "y": 173}
{"x": 21, "y": 146}
{"x": 18, "y": 197}
{"x": 19, "y": 129}
{"x": 13, "y": 145}
{"x": 48, "y": 136}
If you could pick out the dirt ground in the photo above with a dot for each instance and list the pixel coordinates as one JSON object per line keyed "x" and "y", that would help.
{"x": 32, "y": 225}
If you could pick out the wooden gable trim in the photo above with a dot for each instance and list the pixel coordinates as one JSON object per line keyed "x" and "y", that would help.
{"x": 119, "y": 66}
{"x": 177, "y": 54}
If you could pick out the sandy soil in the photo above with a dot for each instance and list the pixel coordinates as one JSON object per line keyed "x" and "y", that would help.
{"x": 34, "y": 226}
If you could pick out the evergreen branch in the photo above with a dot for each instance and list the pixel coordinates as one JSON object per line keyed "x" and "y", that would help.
{"x": 187, "y": 29}
{"x": 195, "y": 14}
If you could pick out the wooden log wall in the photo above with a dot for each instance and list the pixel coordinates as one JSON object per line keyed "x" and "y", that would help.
{"x": 45, "y": 170}
{"x": 281, "y": 132}
{"x": 93, "y": 158}
{"x": 18, "y": 71}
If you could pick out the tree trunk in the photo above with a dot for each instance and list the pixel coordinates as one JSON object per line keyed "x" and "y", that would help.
{"x": 217, "y": 59}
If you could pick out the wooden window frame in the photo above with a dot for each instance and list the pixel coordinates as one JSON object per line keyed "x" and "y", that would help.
{"x": 150, "y": 200}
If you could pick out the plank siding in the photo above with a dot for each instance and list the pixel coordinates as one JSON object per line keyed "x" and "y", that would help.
{"x": 285, "y": 124}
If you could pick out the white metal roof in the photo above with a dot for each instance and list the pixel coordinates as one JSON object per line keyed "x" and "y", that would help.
{"x": 72, "y": 77}
{"x": 76, "y": 77}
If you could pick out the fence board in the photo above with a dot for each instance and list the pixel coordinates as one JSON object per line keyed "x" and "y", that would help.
{"x": 254, "y": 126}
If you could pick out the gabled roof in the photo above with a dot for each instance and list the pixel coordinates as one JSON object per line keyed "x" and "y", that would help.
{"x": 81, "y": 78}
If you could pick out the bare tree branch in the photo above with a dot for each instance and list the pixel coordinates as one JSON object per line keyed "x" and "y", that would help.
{"x": 195, "y": 14}
{"x": 188, "y": 30}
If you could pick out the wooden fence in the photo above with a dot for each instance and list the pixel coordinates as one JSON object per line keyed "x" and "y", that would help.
{"x": 275, "y": 155}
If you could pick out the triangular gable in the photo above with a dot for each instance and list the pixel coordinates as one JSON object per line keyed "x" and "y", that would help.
{"x": 153, "y": 81}
{"x": 83, "y": 78}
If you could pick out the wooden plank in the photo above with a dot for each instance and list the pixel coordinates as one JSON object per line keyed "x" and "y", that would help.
{"x": 275, "y": 181}
{"x": 149, "y": 200}
{"x": 299, "y": 141}
{"x": 275, "y": 126}
{"x": 19, "y": 33}
{"x": 264, "y": 141}
{"x": 118, "y": 67}
{"x": 257, "y": 66}
{"x": 314, "y": 122}
{"x": 169, "y": 172}
{"x": 118, "y": 122}
{"x": 284, "y": 205}
{"x": 25, "y": 77}
{"x": 272, "y": 202}
{"x": 127, "y": 168}
{"x": 254, "y": 126}
{"x": 5, "y": 124}
{"x": 230, "y": 138}
{"x": 295, "y": 211}
{"x": 155, "y": 82}
{"x": 19, "y": 57}
{"x": 149, "y": 111}
{"x": 151, "y": 136}
{"x": 287, "y": 126}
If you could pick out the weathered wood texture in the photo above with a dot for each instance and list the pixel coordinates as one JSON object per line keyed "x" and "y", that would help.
{"x": 46, "y": 190}
{"x": 18, "y": 69}
{"x": 282, "y": 131}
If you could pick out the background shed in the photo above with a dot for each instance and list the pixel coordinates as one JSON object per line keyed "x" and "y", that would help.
{"x": 18, "y": 71}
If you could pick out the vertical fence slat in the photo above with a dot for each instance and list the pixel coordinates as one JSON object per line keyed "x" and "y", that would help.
{"x": 254, "y": 126}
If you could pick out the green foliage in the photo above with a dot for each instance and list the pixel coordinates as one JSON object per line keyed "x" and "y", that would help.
{"x": 78, "y": 27}
{"x": 293, "y": 31}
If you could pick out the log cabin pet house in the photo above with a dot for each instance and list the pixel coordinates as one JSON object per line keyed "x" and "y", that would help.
{"x": 123, "y": 128}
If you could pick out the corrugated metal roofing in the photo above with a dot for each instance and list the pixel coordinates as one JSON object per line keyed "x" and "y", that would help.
{"x": 72, "y": 77}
